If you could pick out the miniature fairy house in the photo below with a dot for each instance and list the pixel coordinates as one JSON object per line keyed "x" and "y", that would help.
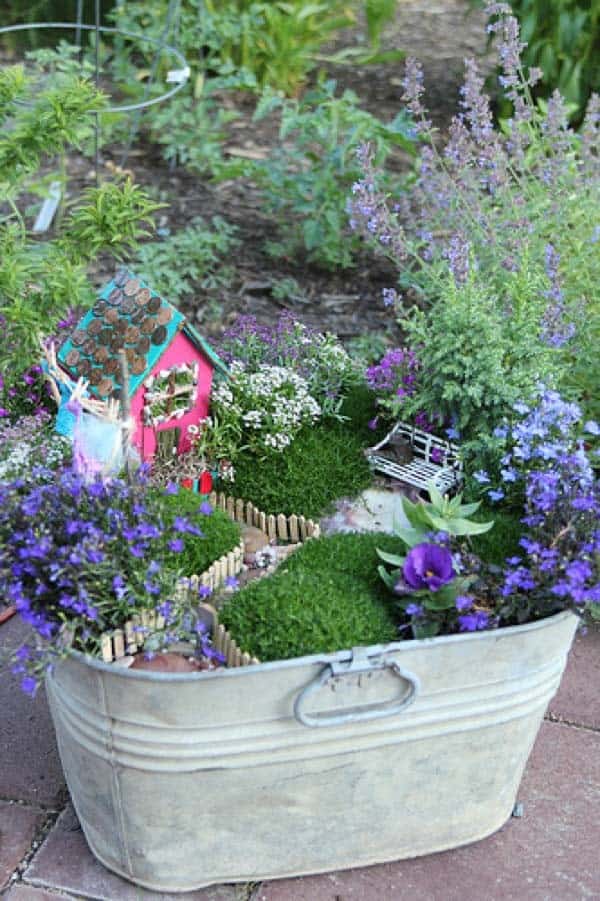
{"x": 170, "y": 366}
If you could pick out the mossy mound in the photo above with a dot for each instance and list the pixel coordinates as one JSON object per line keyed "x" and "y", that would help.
{"x": 326, "y": 597}
{"x": 502, "y": 540}
{"x": 323, "y": 463}
{"x": 220, "y": 534}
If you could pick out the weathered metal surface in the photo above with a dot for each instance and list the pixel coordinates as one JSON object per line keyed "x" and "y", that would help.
{"x": 180, "y": 781}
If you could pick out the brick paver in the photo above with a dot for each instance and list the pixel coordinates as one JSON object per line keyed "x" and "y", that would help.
{"x": 18, "y": 825}
{"x": 64, "y": 862}
{"x": 578, "y": 698}
{"x": 29, "y": 766}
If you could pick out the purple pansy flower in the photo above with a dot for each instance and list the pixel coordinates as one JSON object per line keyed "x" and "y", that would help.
{"x": 428, "y": 566}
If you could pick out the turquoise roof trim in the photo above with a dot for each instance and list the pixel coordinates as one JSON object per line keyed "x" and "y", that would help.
{"x": 151, "y": 357}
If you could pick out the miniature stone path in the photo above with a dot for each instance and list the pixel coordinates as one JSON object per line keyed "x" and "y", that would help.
{"x": 548, "y": 854}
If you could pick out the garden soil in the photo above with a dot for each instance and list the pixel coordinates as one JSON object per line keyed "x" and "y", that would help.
{"x": 440, "y": 33}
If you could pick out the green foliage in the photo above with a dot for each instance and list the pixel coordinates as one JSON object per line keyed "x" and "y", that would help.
{"x": 220, "y": 534}
{"x": 307, "y": 178}
{"x": 501, "y": 542}
{"x": 192, "y": 130}
{"x": 563, "y": 39}
{"x": 477, "y": 361}
{"x": 109, "y": 218}
{"x": 439, "y": 514}
{"x": 12, "y": 85}
{"x": 192, "y": 259}
{"x": 323, "y": 463}
{"x": 378, "y": 13}
{"x": 58, "y": 119}
{"x": 246, "y": 43}
{"x": 41, "y": 279}
{"x": 326, "y": 597}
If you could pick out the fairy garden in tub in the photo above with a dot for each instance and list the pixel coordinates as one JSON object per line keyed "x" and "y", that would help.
{"x": 315, "y": 497}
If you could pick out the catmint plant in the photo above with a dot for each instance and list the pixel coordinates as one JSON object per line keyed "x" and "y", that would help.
{"x": 504, "y": 255}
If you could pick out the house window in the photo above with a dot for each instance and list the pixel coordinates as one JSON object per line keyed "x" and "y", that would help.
{"x": 170, "y": 393}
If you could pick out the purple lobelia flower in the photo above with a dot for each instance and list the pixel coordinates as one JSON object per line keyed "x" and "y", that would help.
{"x": 428, "y": 567}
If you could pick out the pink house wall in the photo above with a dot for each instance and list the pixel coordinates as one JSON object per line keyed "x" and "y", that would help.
{"x": 181, "y": 350}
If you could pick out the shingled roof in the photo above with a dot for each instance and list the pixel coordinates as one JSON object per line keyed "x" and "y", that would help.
{"x": 131, "y": 316}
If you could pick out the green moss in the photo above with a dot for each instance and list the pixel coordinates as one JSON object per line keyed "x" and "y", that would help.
{"x": 326, "y": 597}
{"x": 502, "y": 540}
{"x": 221, "y": 535}
{"x": 323, "y": 463}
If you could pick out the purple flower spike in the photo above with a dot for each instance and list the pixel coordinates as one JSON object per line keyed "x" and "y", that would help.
{"x": 428, "y": 567}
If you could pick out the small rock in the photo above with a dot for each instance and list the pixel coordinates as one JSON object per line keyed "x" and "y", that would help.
{"x": 254, "y": 540}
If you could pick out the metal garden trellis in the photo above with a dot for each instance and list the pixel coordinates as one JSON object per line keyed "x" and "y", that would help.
{"x": 177, "y": 77}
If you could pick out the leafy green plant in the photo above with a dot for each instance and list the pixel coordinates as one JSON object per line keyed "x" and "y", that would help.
{"x": 111, "y": 218}
{"x": 246, "y": 43}
{"x": 40, "y": 280}
{"x": 192, "y": 131}
{"x": 326, "y": 597}
{"x": 439, "y": 514}
{"x": 476, "y": 364}
{"x": 378, "y": 13}
{"x": 307, "y": 177}
{"x": 192, "y": 259}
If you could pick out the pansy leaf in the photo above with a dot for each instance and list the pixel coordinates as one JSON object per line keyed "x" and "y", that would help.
{"x": 469, "y": 509}
{"x": 436, "y": 497}
{"x": 425, "y": 630}
{"x": 387, "y": 577}
{"x": 392, "y": 559}
{"x": 443, "y": 599}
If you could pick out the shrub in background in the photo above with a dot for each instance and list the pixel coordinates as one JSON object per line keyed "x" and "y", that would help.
{"x": 562, "y": 38}
{"x": 306, "y": 178}
{"x": 41, "y": 280}
{"x": 192, "y": 258}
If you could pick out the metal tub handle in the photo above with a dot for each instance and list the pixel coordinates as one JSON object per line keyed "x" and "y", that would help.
{"x": 360, "y": 663}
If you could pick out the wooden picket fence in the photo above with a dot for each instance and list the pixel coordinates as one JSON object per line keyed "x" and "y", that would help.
{"x": 130, "y": 639}
{"x": 226, "y": 566}
{"x": 283, "y": 528}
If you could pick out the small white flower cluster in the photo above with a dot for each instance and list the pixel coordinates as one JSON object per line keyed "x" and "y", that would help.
{"x": 18, "y": 457}
{"x": 273, "y": 403}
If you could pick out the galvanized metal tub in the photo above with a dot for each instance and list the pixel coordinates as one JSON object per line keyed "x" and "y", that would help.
{"x": 305, "y": 765}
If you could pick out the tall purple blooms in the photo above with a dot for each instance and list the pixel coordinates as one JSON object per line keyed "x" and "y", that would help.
{"x": 556, "y": 330}
{"x": 413, "y": 85}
